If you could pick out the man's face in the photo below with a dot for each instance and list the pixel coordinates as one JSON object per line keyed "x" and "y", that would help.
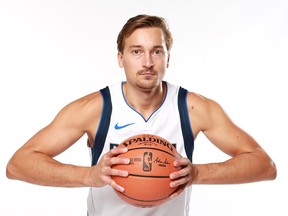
{"x": 145, "y": 58}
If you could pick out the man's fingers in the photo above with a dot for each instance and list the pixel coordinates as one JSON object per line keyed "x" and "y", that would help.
{"x": 117, "y": 151}
{"x": 116, "y": 186}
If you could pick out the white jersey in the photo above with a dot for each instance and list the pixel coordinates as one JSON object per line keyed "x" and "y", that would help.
{"x": 120, "y": 121}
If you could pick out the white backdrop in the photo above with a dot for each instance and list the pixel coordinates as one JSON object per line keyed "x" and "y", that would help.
{"x": 52, "y": 52}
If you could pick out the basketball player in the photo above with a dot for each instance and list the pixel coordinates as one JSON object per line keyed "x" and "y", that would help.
{"x": 143, "y": 103}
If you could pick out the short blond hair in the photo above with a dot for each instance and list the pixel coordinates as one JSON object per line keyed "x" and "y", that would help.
{"x": 144, "y": 21}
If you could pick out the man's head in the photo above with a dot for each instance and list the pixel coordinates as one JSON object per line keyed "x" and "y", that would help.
{"x": 143, "y": 51}
{"x": 144, "y": 21}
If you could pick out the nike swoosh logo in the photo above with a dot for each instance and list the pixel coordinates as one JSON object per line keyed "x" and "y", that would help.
{"x": 117, "y": 127}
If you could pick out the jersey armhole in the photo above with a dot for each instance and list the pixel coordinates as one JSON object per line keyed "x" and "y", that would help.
{"x": 103, "y": 127}
{"x": 185, "y": 123}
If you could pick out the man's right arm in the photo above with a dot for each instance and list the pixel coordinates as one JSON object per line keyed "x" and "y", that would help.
{"x": 34, "y": 162}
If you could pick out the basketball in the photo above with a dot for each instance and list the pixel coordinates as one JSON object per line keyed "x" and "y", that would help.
{"x": 151, "y": 162}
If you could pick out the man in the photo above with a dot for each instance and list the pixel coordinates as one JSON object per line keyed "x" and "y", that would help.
{"x": 144, "y": 103}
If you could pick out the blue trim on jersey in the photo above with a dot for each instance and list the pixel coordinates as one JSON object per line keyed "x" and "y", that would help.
{"x": 103, "y": 125}
{"x": 146, "y": 120}
{"x": 185, "y": 123}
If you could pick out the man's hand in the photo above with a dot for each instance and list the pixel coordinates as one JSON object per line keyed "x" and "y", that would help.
{"x": 181, "y": 178}
{"x": 103, "y": 170}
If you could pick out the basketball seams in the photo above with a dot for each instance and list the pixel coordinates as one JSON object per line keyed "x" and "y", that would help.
{"x": 147, "y": 176}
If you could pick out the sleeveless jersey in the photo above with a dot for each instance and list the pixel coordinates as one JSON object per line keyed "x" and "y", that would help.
{"x": 118, "y": 122}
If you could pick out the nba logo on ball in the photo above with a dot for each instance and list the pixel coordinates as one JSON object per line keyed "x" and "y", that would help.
{"x": 147, "y": 161}
{"x": 151, "y": 163}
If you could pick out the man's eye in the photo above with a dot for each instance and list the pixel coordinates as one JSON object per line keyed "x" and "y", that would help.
{"x": 159, "y": 52}
{"x": 136, "y": 52}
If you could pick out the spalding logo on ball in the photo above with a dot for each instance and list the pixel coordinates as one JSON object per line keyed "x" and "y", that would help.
{"x": 151, "y": 162}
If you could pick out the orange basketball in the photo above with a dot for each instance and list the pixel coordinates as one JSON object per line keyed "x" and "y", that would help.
{"x": 151, "y": 162}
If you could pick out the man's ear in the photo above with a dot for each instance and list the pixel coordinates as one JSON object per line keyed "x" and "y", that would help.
{"x": 168, "y": 59}
{"x": 120, "y": 59}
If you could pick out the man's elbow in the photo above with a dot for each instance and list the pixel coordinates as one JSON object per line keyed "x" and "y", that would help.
{"x": 11, "y": 169}
{"x": 271, "y": 171}
{"x": 9, "y": 172}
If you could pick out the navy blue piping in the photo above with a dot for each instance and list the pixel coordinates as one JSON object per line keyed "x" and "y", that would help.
{"x": 185, "y": 123}
{"x": 103, "y": 125}
{"x": 146, "y": 120}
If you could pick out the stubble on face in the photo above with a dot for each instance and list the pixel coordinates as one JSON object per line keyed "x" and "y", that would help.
{"x": 147, "y": 79}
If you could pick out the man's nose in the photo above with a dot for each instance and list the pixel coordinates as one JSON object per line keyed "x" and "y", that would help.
{"x": 148, "y": 61}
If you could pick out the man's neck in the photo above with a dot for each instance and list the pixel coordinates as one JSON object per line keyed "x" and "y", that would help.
{"x": 144, "y": 102}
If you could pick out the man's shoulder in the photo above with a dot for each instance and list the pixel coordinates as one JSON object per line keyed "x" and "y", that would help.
{"x": 86, "y": 104}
